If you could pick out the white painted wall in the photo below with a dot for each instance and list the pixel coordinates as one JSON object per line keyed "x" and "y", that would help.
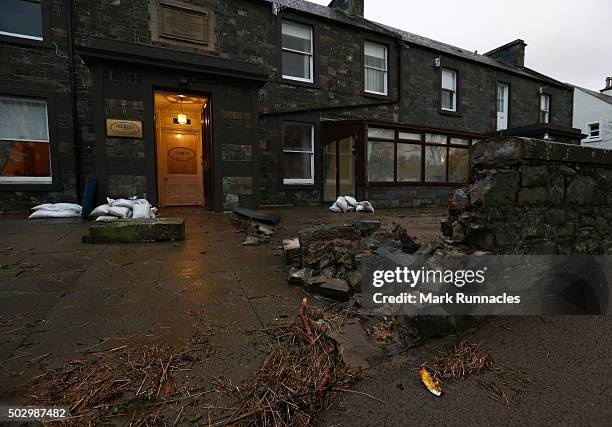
{"x": 589, "y": 109}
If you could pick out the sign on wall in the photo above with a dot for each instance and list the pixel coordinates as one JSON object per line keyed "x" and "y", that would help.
{"x": 124, "y": 128}
{"x": 183, "y": 24}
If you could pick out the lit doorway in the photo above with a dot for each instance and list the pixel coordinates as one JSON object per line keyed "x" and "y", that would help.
{"x": 184, "y": 151}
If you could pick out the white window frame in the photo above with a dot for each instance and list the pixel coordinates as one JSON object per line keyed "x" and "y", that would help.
{"x": 30, "y": 179}
{"x": 26, "y": 36}
{"x": 454, "y": 91}
{"x": 591, "y": 138}
{"x": 310, "y": 55}
{"x": 547, "y": 110}
{"x": 297, "y": 181}
{"x": 385, "y": 70}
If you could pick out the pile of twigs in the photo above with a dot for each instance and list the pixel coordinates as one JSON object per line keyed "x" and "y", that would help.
{"x": 464, "y": 360}
{"x": 136, "y": 383}
{"x": 302, "y": 376}
{"x": 467, "y": 360}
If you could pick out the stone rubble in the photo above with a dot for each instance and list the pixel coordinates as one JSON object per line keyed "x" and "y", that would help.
{"x": 326, "y": 259}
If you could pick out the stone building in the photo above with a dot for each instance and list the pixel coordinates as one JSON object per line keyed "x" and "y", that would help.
{"x": 223, "y": 103}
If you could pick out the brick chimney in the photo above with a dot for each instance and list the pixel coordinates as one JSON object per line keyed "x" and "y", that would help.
{"x": 350, "y": 7}
{"x": 608, "y": 89}
{"x": 512, "y": 53}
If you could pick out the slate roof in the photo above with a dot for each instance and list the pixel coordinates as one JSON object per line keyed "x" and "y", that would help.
{"x": 411, "y": 38}
{"x": 598, "y": 95}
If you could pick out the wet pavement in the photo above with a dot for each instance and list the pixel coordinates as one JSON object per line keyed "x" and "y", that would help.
{"x": 62, "y": 299}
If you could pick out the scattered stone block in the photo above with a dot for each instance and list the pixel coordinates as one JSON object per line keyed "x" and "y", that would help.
{"x": 355, "y": 346}
{"x": 367, "y": 227}
{"x": 265, "y": 230}
{"x": 299, "y": 276}
{"x": 252, "y": 241}
{"x": 258, "y": 216}
{"x": 336, "y": 289}
{"x": 293, "y": 252}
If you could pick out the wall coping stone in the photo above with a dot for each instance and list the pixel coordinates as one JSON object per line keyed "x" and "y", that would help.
{"x": 512, "y": 150}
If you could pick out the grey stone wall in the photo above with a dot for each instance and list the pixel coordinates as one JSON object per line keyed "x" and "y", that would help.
{"x": 533, "y": 196}
{"x": 407, "y": 196}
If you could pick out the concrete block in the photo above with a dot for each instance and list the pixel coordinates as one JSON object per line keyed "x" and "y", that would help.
{"x": 137, "y": 231}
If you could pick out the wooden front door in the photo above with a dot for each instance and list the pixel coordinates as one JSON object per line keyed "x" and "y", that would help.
{"x": 181, "y": 175}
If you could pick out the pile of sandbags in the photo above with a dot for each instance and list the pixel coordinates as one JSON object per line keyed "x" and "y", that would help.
{"x": 56, "y": 210}
{"x": 123, "y": 209}
{"x": 349, "y": 204}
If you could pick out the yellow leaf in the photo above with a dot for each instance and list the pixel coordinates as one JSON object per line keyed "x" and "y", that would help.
{"x": 430, "y": 382}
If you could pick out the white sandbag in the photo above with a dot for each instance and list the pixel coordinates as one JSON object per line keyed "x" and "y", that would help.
{"x": 119, "y": 211}
{"x": 100, "y": 211}
{"x": 342, "y": 203}
{"x": 359, "y": 208}
{"x": 106, "y": 218}
{"x": 351, "y": 208}
{"x": 54, "y": 214}
{"x": 59, "y": 207}
{"x": 142, "y": 209}
{"x": 351, "y": 201}
{"x": 123, "y": 203}
{"x": 110, "y": 201}
{"x": 154, "y": 211}
{"x": 335, "y": 208}
{"x": 366, "y": 207}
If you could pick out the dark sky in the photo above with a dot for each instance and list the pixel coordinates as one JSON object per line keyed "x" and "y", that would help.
{"x": 567, "y": 39}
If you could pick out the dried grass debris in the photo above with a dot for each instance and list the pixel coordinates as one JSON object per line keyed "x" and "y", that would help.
{"x": 468, "y": 361}
{"x": 302, "y": 375}
{"x": 133, "y": 382}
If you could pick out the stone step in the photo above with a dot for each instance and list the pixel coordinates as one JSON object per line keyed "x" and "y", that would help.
{"x": 137, "y": 231}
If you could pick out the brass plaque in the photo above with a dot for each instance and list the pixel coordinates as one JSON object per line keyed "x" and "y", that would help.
{"x": 183, "y": 24}
{"x": 182, "y": 154}
{"x": 124, "y": 128}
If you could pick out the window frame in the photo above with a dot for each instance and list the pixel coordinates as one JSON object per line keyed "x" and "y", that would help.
{"x": 298, "y": 181}
{"x": 455, "y": 93}
{"x": 385, "y": 70}
{"x": 424, "y": 144}
{"x": 541, "y": 111}
{"x": 311, "y": 55}
{"x": 591, "y": 138}
{"x": 19, "y": 90}
{"x": 24, "y": 39}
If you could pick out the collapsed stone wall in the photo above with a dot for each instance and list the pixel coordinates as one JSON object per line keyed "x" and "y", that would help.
{"x": 537, "y": 197}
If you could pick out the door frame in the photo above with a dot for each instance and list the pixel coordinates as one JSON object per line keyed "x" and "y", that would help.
{"x": 207, "y": 149}
{"x": 506, "y": 105}
{"x": 333, "y": 134}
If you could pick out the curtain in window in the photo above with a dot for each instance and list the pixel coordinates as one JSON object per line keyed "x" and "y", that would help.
{"x": 449, "y": 80}
{"x": 23, "y": 119}
{"x": 375, "y": 61}
{"x": 24, "y": 136}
